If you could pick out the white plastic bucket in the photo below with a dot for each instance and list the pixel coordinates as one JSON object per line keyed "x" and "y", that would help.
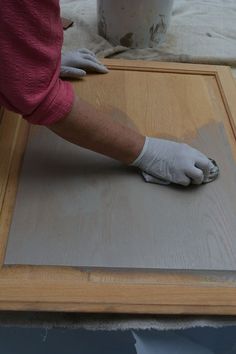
{"x": 134, "y": 23}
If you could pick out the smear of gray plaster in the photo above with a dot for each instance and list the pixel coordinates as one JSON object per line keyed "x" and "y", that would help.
{"x": 78, "y": 208}
{"x": 158, "y": 30}
{"x": 127, "y": 40}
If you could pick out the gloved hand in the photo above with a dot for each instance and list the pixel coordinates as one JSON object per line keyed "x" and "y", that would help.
{"x": 169, "y": 161}
{"x": 74, "y": 64}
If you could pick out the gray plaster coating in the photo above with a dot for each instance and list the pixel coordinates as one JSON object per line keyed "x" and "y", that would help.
{"x": 78, "y": 208}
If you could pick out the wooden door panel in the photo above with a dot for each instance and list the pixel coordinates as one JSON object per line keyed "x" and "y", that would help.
{"x": 192, "y": 103}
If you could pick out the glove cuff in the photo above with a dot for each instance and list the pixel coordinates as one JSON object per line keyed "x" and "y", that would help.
{"x": 137, "y": 161}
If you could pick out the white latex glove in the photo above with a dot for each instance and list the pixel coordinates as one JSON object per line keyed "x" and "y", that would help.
{"x": 167, "y": 161}
{"x": 76, "y": 63}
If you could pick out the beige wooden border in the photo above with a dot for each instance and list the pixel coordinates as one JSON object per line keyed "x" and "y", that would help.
{"x": 48, "y": 288}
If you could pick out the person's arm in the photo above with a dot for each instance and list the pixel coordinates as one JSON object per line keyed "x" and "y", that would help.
{"x": 97, "y": 131}
{"x": 31, "y": 39}
{"x": 30, "y": 50}
{"x": 163, "y": 159}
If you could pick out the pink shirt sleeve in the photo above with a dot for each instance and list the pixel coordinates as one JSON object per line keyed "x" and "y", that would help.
{"x": 31, "y": 37}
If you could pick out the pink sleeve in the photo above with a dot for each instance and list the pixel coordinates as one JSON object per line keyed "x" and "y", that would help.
{"x": 31, "y": 37}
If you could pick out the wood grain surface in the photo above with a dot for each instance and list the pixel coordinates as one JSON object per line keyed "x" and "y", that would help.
{"x": 8, "y": 132}
{"x": 78, "y": 208}
{"x": 201, "y": 97}
{"x": 13, "y": 138}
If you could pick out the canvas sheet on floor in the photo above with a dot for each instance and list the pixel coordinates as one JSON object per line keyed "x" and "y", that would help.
{"x": 200, "y": 32}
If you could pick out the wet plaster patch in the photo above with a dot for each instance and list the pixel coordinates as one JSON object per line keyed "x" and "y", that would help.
{"x": 78, "y": 208}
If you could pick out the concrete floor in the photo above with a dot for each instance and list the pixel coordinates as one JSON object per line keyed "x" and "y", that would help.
{"x": 16, "y": 340}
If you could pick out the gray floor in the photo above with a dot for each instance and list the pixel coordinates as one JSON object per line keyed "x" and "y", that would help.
{"x": 78, "y": 208}
{"x": 17, "y": 340}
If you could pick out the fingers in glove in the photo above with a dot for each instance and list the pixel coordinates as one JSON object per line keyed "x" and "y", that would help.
{"x": 86, "y": 51}
{"x": 204, "y": 164}
{"x": 72, "y": 73}
{"x": 91, "y": 58}
{"x": 93, "y": 66}
{"x": 150, "y": 179}
{"x": 96, "y": 61}
{"x": 196, "y": 175}
{"x": 99, "y": 68}
{"x": 183, "y": 181}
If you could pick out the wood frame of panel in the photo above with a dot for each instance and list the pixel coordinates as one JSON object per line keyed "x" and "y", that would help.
{"x": 51, "y": 288}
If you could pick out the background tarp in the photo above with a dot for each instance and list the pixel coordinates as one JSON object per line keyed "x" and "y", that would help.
{"x": 201, "y": 31}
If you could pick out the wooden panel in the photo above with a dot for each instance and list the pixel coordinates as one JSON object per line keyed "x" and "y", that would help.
{"x": 13, "y": 137}
{"x": 78, "y": 208}
{"x": 58, "y": 288}
{"x": 9, "y": 125}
